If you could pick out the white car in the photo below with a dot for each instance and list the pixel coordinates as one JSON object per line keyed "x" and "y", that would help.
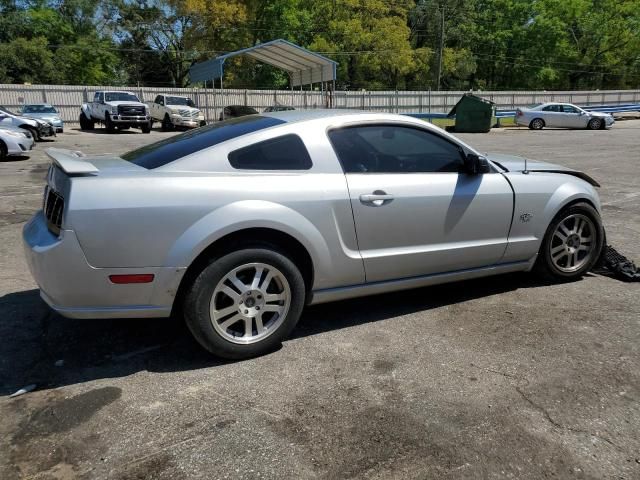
{"x": 14, "y": 141}
{"x": 172, "y": 111}
{"x": 38, "y": 128}
{"x": 562, "y": 115}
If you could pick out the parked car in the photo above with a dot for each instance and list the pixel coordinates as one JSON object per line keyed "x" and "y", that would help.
{"x": 235, "y": 111}
{"x": 173, "y": 111}
{"x": 45, "y": 112}
{"x": 278, "y": 108}
{"x": 14, "y": 141}
{"x": 564, "y": 115}
{"x": 38, "y": 128}
{"x": 242, "y": 223}
{"x": 116, "y": 110}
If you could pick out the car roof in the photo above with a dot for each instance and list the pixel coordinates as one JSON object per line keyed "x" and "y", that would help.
{"x": 295, "y": 116}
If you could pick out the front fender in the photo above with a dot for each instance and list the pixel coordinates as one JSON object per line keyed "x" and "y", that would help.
{"x": 539, "y": 196}
{"x": 243, "y": 215}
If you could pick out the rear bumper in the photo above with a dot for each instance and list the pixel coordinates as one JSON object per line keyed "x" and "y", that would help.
{"x": 75, "y": 289}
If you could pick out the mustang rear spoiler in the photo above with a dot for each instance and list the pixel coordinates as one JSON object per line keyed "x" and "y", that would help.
{"x": 71, "y": 162}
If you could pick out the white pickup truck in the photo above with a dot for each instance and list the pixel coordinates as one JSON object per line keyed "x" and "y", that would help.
{"x": 114, "y": 109}
{"x": 172, "y": 111}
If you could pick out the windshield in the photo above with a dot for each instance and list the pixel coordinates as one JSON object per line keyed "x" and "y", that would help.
{"x": 39, "y": 109}
{"x": 6, "y": 110}
{"x": 172, "y": 148}
{"x": 120, "y": 97}
{"x": 180, "y": 101}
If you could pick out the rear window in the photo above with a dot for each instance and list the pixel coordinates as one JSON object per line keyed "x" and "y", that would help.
{"x": 172, "y": 148}
{"x": 282, "y": 153}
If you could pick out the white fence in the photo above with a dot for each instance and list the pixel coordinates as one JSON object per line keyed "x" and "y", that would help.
{"x": 68, "y": 98}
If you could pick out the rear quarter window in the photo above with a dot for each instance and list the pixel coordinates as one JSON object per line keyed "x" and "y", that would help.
{"x": 287, "y": 152}
{"x": 173, "y": 148}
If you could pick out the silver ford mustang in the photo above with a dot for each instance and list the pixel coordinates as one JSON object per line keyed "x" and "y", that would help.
{"x": 239, "y": 224}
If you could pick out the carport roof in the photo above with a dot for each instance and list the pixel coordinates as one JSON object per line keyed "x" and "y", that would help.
{"x": 304, "y": 66}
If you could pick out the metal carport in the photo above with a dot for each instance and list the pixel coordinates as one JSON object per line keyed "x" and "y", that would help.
{"x": 304, "y": 67}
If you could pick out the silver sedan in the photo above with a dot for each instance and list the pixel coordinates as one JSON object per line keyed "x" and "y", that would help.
{"x": 562, "y": 115}
{"x": 240, "y": 224}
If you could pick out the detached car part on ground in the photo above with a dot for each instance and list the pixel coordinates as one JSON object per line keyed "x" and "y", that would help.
{"x": 562, "y": 115}
{"x": 242, "y": 223}
{"x": 174, "y": 111}
{"x": 38, "y": 128}
{"x": 116, "y": 110}
{"x": 15, "y": 142}
{"x": 46, "y": 112}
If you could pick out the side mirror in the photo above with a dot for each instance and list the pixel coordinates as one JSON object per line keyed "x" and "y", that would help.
{"x": 476, "y": 164}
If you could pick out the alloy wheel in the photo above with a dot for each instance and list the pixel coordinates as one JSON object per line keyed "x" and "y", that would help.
{"x": 250, "y": 303}
{"x": 573, "y": 243}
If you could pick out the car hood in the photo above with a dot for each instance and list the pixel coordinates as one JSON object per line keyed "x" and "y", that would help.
{"x": 514, "y": 163}
{"x": 127, "y": 102}
{"x": 43, "y": 116}
{"x": 182, "y": 107}
{"x": 599, "y": 114}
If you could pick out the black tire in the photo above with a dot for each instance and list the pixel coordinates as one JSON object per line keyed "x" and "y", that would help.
{"x": 146, "y": 128}
{"x": 202, "y": 123}
{"x": 4, "y": 151}
{"x": 537, "y": 124}
{"x": 35, "y": 133}
{"x": 167, "y": 126}
{"x": 197, "y": 303}
{"x": 86, "y": 123}
{"x": 545, "y": 264}
{"x": 595, "y": 124}
{"x": 108, "y": 124}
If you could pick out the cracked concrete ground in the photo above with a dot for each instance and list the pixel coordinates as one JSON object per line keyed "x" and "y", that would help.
{"x": 503, "y": 377}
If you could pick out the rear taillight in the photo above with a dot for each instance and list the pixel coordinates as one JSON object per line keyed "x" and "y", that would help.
{"x": 518, "y": 113}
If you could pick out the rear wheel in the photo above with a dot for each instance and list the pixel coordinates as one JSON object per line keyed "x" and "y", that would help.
{"x": 245, "y": 303}
{"x": 85, "y": 123}
{"x": 536, "y": 124}
{"x": 595, "y": 124}
{"x": 572, "y": 243}
{"x": 4, "y": 151}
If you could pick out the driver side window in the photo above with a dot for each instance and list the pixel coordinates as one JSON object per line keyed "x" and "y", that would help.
{"x": 394, "y": 149}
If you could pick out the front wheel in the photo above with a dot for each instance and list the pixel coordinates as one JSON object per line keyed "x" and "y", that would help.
{"x": 109, "y": 124}
{"x": 245, "y": 303}
{"x": 595, "y": 124}
{"x": 35, "y": 133}
{"x": 146, "y": 128}
{"x": 572, "y": 243}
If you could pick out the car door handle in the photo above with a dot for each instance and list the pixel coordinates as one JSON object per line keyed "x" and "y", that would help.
{"x": 377, "y": 198}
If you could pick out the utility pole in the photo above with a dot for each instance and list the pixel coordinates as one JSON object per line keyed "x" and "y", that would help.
{"x": 441, "y": 47}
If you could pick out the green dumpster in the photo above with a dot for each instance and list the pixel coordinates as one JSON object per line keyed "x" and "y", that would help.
{"x": 473, "y": 114}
